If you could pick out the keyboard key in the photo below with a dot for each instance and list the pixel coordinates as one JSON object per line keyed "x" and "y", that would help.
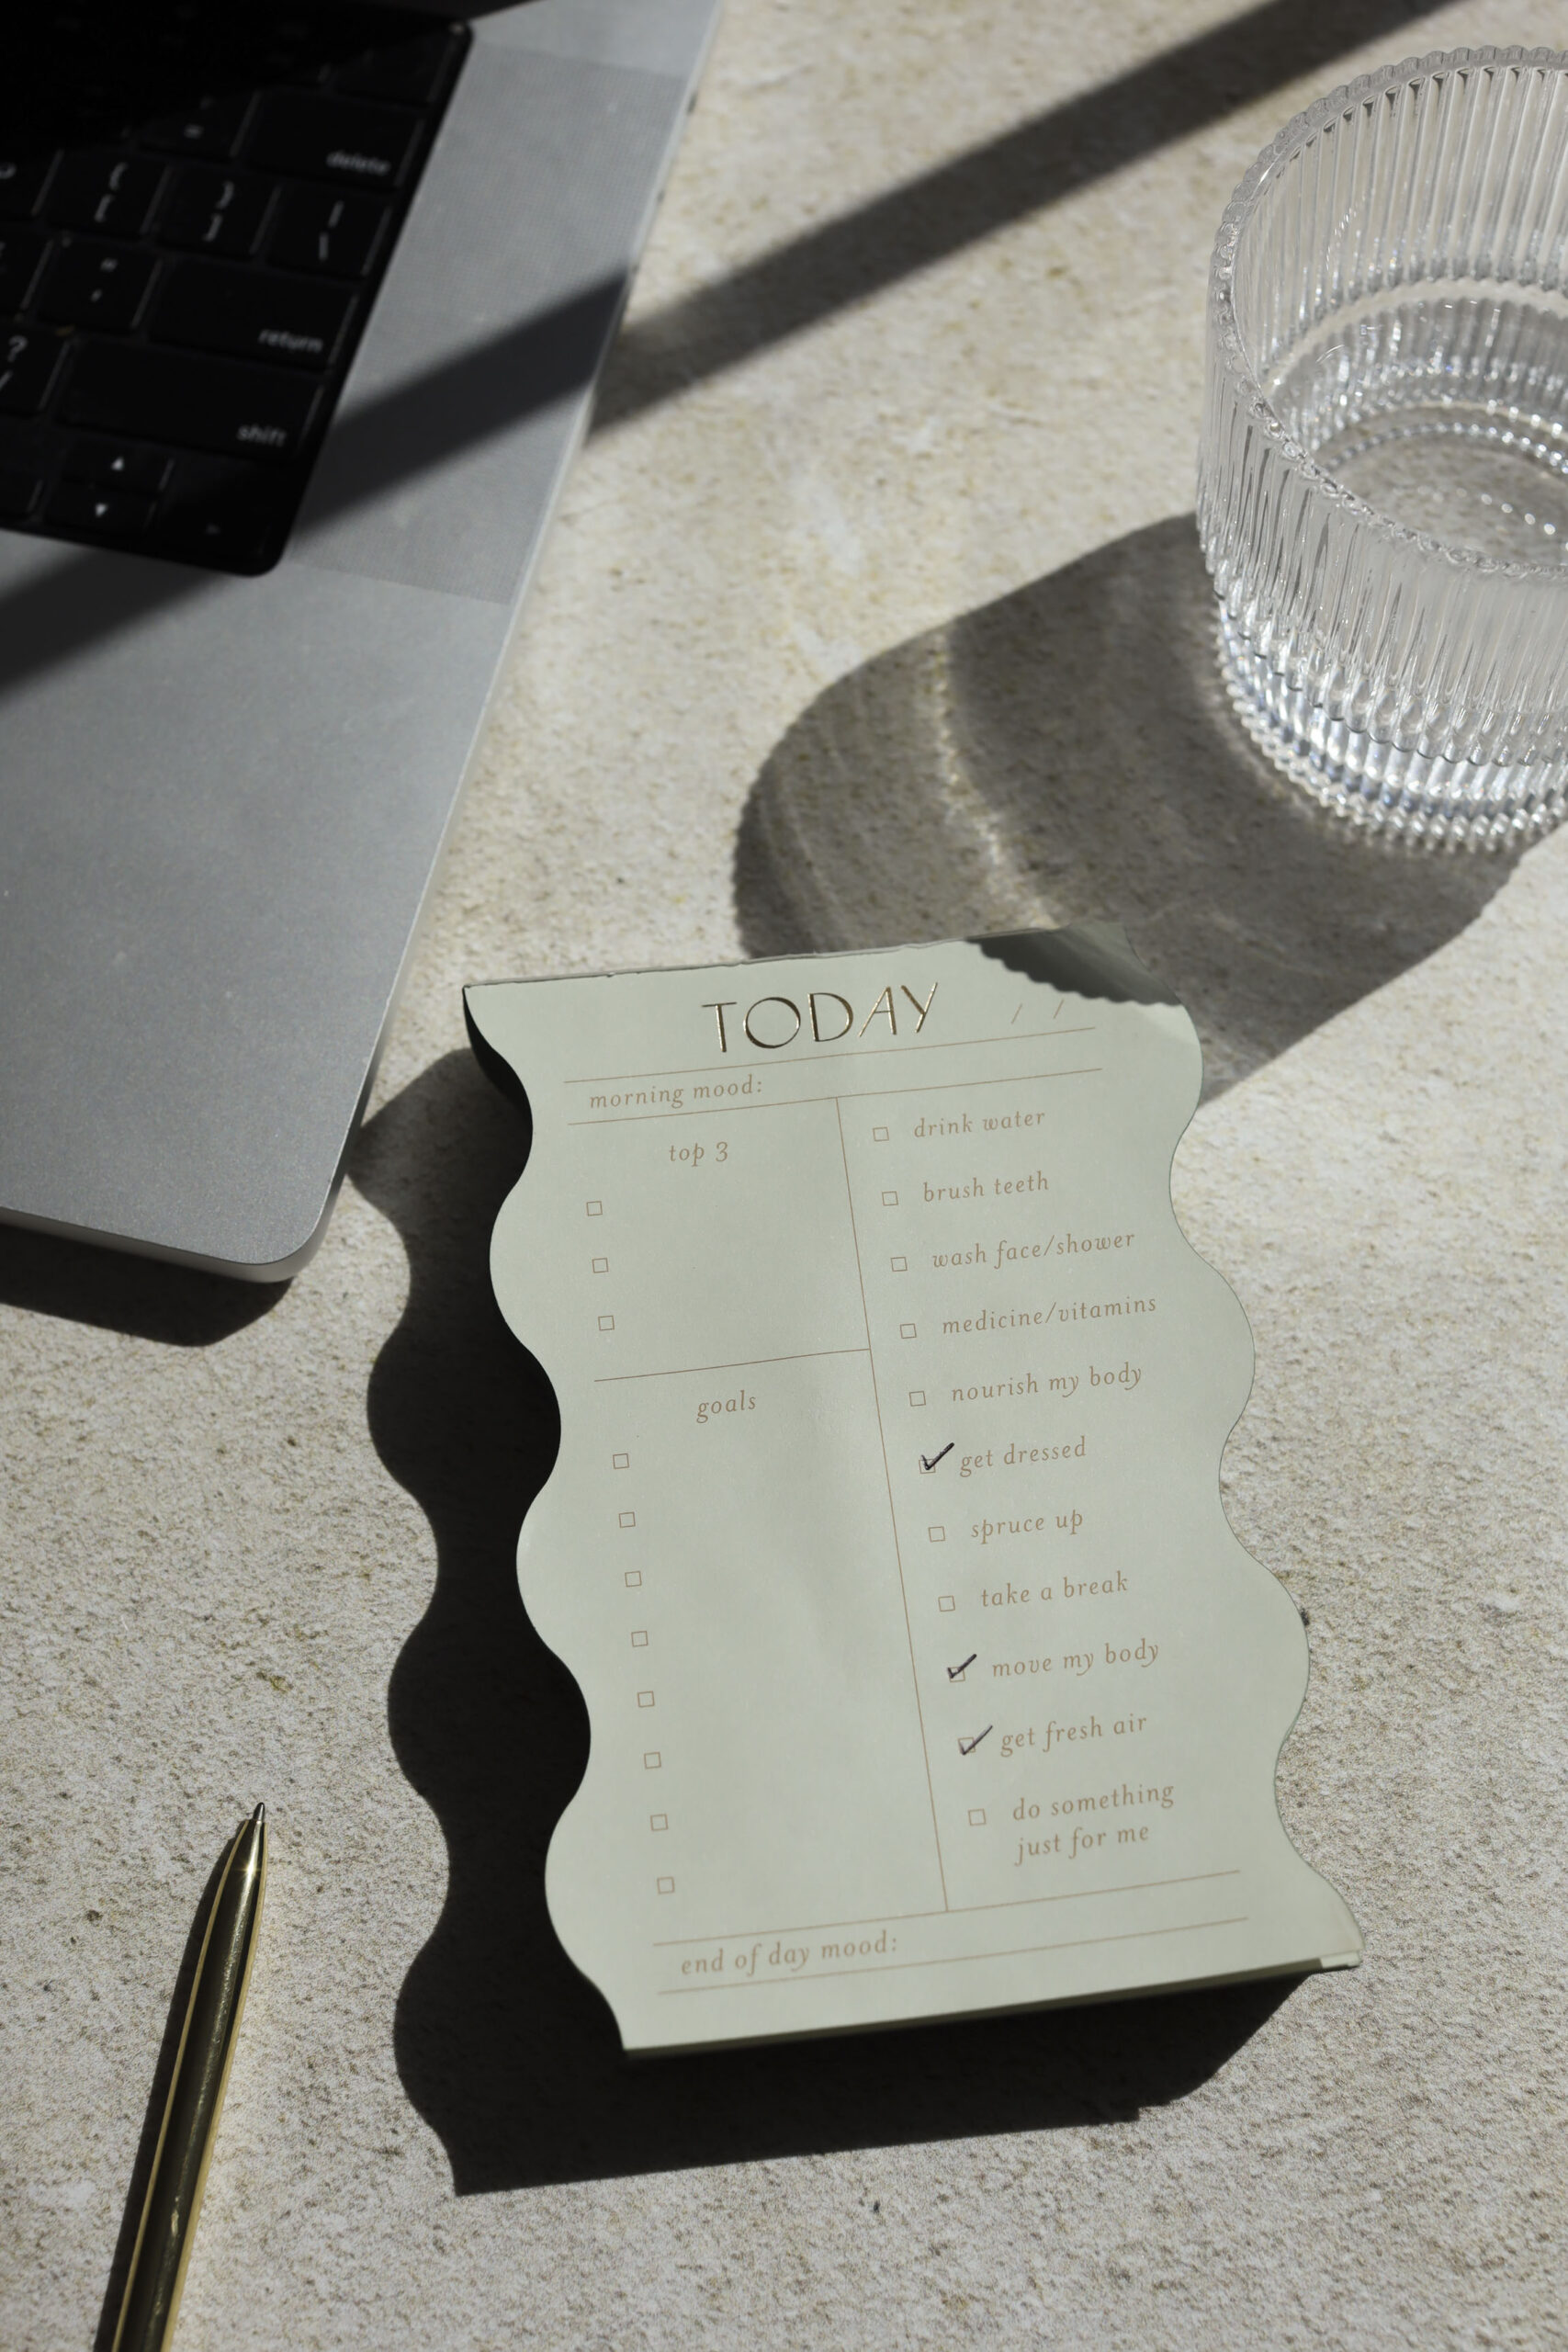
{"x": 306, "y": 72}
{"x": 19, "y": 447}
{"x": 29, "y": 358}
{"x": 118, "y": 465}
{"x": 22, "y": 181}
{"x": 219, "y": 514}
{"x": 195, "y": 403}
{"x": 21, "y": 250}
{"x": 274, "y": 48}
{"x": 215, "y": 212}
{"x": 97, "y": 285}
{"x": 410, "y": 73}
{"x": 19, "y": 490}
{"x": 105, "y": 513}
{"x": 329, "y": 139}
{"x": 96, "y": 188}
{"x": 210, "y": 127}
{"x": 337, "y": 235}
{"x": 250, "y": 314}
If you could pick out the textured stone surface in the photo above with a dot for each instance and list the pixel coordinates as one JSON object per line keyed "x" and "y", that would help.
{"x": 260, "y": 1547}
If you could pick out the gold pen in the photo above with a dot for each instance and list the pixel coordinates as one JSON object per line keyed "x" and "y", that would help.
{"x": 167, "y": 2227}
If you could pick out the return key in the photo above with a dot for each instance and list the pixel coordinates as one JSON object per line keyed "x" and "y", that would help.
{"x": 250, "y": 314}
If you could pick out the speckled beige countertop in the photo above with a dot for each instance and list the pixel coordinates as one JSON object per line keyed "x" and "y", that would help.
{"x": 873, "y": 610}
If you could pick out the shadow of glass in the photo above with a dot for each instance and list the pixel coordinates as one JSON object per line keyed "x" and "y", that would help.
{"x": 141, "y": 1297}
{"x": 1069, "y": 752}
{"x": 509, "y": 2054}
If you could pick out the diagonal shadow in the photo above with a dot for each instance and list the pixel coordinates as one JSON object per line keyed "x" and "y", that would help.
{"x": 494, "y": 386}
{"x": 508, "y": 2052}
{"x": 406, "y": 432}
{"x": 1069, "y": 752}
{"x": 1038, "y": 164}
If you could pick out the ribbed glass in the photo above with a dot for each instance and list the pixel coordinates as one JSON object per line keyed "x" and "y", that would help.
{"x": 1384, "y": 473}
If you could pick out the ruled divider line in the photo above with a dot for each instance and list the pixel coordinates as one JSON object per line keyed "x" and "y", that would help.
{"x": 892, "y": 1511}
{"x": 956, "y": 1911}
{"x": 955, "y": 1960}
{"x": 861, "y": 1094}
{"x": 741, "y": 1363}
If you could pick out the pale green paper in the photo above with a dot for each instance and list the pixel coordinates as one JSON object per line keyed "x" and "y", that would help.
{"x": 740, "y": 1263}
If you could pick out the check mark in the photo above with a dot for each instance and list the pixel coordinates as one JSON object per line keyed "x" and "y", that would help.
{"x": 955, "y": 1671}
{"x": 936, "y": 1458}
{"x": 967, "y": 1747}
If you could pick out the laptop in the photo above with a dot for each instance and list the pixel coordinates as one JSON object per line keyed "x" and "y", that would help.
{"x": 302, "y": 308}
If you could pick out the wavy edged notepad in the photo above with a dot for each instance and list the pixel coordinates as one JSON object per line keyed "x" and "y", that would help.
{"x": 924, "y": 1672}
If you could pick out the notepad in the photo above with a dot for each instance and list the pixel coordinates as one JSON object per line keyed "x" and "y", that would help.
{"x": 925, "y": 1675}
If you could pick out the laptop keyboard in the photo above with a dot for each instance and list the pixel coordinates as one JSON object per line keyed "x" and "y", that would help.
{"x": 198, "y": 202}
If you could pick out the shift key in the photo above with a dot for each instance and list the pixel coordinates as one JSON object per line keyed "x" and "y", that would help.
{"x": 193, "y": 403}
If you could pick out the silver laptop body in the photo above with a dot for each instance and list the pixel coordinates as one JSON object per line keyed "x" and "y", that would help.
{"x": 223, "y": 800}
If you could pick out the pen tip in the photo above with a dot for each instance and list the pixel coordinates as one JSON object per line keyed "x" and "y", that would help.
{"x": 258, "y": 1818}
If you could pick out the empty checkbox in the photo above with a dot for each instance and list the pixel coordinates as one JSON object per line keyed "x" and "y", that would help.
{"x": 645, "y": 1698}
{"x": 936, "y": 1534}
{"x": 917, "y": 1396}
{"x": 879, "y": 1135}
{"x": 620, "y": 1461}
{"x": 945, "y": 1601}
{"x": 595, "y": 1208}
{"x": 899, "y": 1265}
{"x": 628, "y": 1519}
{"x": 889, "y": 1200}
{"x": 606, "y": 1322}
{"x": 906, "y": 1330}
{"x": 633, "y": 1577}
{"x": 640, "y": 1640}
{"x": 661, "y": 1820}
{"x": 652, "y": 1761}
{"x": 666, "y": 1886}
{"x": 976, "y": 1817}
{"x": 601, "y": 1265}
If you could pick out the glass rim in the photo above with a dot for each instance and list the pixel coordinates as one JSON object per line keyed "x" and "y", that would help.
{"x": 1309, "y": 124}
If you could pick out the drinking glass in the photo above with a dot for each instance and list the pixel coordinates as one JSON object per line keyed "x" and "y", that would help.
{"x": 1383, "y": 472}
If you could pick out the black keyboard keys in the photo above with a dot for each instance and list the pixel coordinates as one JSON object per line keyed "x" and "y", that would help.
{"x": 210, "y": 127}
{"x": 21, "y": 251}
{"x": 333, "y": 139}
{"x": 215, "y": 212}
{"x": 251, "y": 313}
{"x": 198, "y": 198}
{"x": 118, "y": 464}
{"x": 225, "y": 515}
{"x": 338, "y": 236}
{"x": 97, "y": 285}
{"x": 28, "y": 359}
{"x": 96, "y": 188}
{"x": 19, "y": 490}
{"x": 195, "y": 404}
{"x": 101, "y": 513}
{"x": 410, "y": 73}
{"x": 22, "y": 181}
